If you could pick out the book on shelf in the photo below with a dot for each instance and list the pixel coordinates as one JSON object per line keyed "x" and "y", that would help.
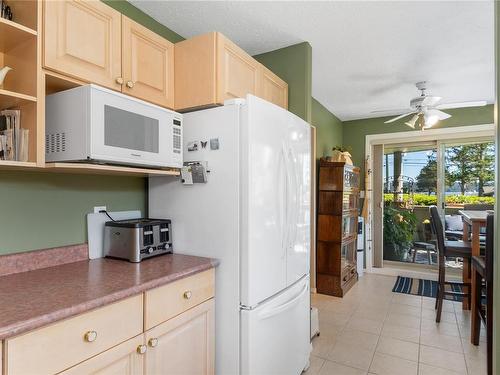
{"x": 14, "y": 140}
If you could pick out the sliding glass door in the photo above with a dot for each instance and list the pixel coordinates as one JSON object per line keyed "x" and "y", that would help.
{"x": 451, "y": 175}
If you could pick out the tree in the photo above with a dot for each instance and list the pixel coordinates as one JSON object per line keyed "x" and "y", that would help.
{"x": 427, "y": 178}
{"x": 471, "y": 163}
{"x": 484, "y": 162}
{"x": 460, "y": 159}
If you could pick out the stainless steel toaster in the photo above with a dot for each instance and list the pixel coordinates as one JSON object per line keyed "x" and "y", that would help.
{"x": 137, "y": 239}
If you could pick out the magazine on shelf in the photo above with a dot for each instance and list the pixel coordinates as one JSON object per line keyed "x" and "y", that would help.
{"x": 14, "y": 140}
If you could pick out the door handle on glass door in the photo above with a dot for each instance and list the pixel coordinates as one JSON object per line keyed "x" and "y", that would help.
{"x": 279, "y": 309}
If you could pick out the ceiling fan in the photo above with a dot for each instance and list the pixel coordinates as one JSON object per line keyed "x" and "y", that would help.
{"x": 426, "y": 109}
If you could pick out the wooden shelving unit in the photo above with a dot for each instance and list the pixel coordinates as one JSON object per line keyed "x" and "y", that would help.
{"x": 9, "y": 99}
{"x": 13, "y": 34}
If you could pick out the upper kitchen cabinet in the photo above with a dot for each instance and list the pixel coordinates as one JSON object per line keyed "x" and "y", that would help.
{"x": 148, "y": 64}
{"x": 83, "y": 39}
{"x": 273, "y": 88}
{"x": 210, "y": 69}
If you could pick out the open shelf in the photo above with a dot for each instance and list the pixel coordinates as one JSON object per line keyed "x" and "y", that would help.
{"x": 12, "y": 34}
{"x": 109, "y": 170}
{"x": 10, "y": 99}
{"x": 16, "y": 165}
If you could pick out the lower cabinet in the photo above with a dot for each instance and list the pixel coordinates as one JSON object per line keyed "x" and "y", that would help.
{"x": 183, "y": 345}
{"x": 125, "y": 359}
{"x": 113, "y": 339}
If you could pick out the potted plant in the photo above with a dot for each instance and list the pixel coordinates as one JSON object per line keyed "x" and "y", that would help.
{"x": 399, "y": 228}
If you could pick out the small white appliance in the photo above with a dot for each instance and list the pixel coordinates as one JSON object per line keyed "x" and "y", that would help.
{"x": 253, "y": 214}
{"x": 93, "y": 124}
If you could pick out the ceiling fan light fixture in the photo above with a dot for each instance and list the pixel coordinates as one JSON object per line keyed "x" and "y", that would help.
{"x": 430, "y": 120}
{"x": 411, "y": 123}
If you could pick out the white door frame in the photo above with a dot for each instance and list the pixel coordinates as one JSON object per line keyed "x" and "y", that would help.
{"x": 457, "y": 132}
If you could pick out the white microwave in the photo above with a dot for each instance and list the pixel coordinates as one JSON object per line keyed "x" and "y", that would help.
{"x": 93, "y": 124}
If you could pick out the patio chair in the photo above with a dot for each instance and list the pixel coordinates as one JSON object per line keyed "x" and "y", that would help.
{"x": 448, "y": 249}
{"x": 482, "y": 269}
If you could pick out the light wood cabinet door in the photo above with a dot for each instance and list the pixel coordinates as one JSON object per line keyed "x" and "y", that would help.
{"x": 237, "y": 72}
{"x": 83, "y": 39}
{"x": 148, "y": 64}
{"x": 183, "y": 345}
{"x": 124, "y": 359}
{"x": 273, "y": 88}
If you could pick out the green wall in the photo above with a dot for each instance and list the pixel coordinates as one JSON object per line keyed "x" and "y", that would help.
{"x": 139, "y": 16}
{"x": 41, "y": 209}
{"x": 293, "y": 64}
{"x": 355, "y": 131}
{"x": 328, "y": 129}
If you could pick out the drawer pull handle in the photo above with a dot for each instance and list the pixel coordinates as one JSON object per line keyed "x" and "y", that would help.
{"x": 130, "y": 84}
{"x": 141, "y": 349}
{"x": 119, "y": 80}
{"x": 90, "y": 336}
{"x": 187, "y": 294}
{"x": 153, "y": 342}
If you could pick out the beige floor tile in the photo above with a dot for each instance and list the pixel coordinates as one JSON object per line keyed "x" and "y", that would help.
{"x": 448, "y": 317}
{"x": 315, "y": 365}
{"x": 401, "y": 333}
{"x": 443, "y": 328}
{"x": 476, "y": 366}
{"x": 465, "y": 332}
{"x": 407, "y": 299}
{"x": 477, "y": 351}
{"x": 365, "y": 325}
{"x": 443, "y": 359}
{"x": 406, "y": 310}
{"x": 322, "y": 346}
{"x": 429, "y": 303}
{"x": 330, "y": 330}
{"x": 403, "y": 320}
{"x": 378, "y": 314}
{"x": 358, "y": 339}
{"x": 424, "y": 369}
{"x": 351, "y": 356}
{"x": 384, "y": 364}
{"x": 332, "y": 368}
{"x": 450, "y": 343}
{"x": 398, "y": 348}
{"x": 329, "y": 317}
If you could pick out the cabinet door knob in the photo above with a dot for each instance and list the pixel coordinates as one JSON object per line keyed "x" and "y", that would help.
{"x": 153, "y": 342}
{"x": 90, "y": 336}
{"x": 141, "y": 349}
{"x": 119, "y": 80}
{"x": 130, "y": 84}
{"x": 187, "y": 294}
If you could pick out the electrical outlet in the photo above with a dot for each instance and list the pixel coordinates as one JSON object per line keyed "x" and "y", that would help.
{"x": 97, "y": 209}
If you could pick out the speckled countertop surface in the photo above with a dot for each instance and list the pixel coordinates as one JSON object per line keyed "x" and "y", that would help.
{"x": 32, "y": 299}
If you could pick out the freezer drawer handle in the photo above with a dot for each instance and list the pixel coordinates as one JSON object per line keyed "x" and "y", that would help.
{"x": 277, "y": 310}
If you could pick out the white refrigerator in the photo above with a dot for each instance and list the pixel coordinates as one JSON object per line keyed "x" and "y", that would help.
{"x": 253, "y": 214}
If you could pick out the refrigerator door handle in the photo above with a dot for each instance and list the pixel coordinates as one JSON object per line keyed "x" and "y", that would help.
{"x": 279, "y": 309}
{"x": 281, "y": 199}
{"x": 287, "y": 201}
{"x": 293, "y": 193}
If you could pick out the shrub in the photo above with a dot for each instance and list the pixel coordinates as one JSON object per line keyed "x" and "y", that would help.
{"x": 453, "y": 200}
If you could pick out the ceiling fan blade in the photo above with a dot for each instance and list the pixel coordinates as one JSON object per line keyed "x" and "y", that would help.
{"x": 439, "y": 114}
{"x": 430, "y": 101}
{"x": 399, "y": 117}
{"x": 390, "y": 111}
{"x": 478, "y": 103}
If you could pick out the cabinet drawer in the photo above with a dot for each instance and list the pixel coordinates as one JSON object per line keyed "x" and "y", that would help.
{"x": 170, "y": 300}
{"x": 61, "y": 345}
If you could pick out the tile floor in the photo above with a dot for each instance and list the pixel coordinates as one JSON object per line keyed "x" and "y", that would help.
{"x": 374, "y": 331}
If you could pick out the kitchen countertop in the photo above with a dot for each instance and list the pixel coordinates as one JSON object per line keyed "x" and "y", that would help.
{"x": 32, "y": 299}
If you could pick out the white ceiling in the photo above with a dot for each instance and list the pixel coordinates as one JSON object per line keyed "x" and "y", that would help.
{"x": 367, "y": 55}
